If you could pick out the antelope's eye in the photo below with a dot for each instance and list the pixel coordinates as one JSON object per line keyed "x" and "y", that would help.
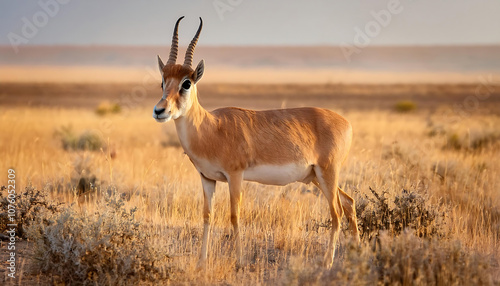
{"x": 186, "y": 84}
{"x": 161, "y": 85}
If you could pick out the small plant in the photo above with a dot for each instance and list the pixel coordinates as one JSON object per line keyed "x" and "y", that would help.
{"x": 402, "y": 260}
{"x": 407, "y": 210}
{"x": 109, "y": 247}
{"x": 453, "y": 142}
{"x": 408, "y": 260}
{"x": 105, "y": 108}
{"x": 484, "y": 140}
{"x": 88, "y": 140}
{"x": 472, "y": 142}
{"x": 30, "y": 205}
{"x": 405, "y": 106}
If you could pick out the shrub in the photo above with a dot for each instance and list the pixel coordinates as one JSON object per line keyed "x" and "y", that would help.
{"x": 483, "y": 140}
{"x": 105, "y": 108}
{"x": 83, "y": 179}
{"x": 30, "y": 205}
{"x": 405, "y": 106}
{"x": 453, "y": 142}
{"x": 471, "y": 142}
{"x": 408, "y": 260}
{"x": 88, "y": 140}
{"x": 68, "y": 138}
{"x": 407, "y": 209}
{"x": 402, "y": 260}
{"x": 108, "y": 247}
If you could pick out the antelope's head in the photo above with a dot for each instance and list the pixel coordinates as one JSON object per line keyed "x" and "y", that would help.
{"x": 178, "y": 81}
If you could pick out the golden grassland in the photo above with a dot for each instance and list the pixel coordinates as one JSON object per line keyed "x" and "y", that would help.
{"x": 453, "y": 164}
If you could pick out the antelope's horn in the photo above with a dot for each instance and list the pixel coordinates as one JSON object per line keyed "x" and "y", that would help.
{"x": 188, "y": 59}
{"x": 175, "y": 44}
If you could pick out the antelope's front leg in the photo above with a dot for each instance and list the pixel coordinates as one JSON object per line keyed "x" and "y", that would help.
{"x": 234, "y": 182}
{"x": 208, "y": 192}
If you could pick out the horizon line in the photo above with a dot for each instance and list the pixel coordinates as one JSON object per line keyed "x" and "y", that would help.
{"x": 2, "y": 46}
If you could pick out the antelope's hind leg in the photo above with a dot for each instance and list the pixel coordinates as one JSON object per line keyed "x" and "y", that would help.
{"x": 326, "y": 180}
{"x": 208, "y": 192}
{"x": 349, "y": 207}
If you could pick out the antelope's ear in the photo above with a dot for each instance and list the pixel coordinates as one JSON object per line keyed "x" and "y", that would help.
{"x": 198, "y": 72}
{"x": 160, "y": 65}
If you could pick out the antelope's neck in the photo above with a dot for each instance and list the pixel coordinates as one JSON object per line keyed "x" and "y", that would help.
{"x": 193, "y": 124}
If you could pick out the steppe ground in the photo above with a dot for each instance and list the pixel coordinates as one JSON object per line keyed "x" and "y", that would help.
{"x": 437, "y": 150}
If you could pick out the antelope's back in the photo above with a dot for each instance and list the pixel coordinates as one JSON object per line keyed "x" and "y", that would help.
{"x": 285, "y": 135}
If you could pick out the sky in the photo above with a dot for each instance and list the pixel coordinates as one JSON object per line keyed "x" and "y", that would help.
{"x": 251, "y": 22}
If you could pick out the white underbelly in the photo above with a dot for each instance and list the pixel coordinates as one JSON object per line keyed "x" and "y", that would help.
{"x": 265, "y": 174}
{"x": 279, "y": 174}
{"x": 209, "y": 169}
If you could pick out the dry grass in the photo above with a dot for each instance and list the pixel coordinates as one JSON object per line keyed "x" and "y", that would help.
{"x": 282, "y": 237}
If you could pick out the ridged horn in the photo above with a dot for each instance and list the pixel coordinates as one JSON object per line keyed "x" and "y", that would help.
{"x": 188, "y": 59}
{"x": 175, "y": 44}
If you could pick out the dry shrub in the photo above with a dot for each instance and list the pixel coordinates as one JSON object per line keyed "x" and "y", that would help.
{"x": 87, "y": 140}
{"x": 83, "y": 179}
{"x": 472, "y": 141}
{"x": 454, "y": 142}
{"x": 108, "y": 247}
{"x": 405, "y": 106}
{"x": 402, "y": 260}
{"x": 408, "y": 260}
{"x": 106, "y": 107}
{"x": 479, "y": 140}
{"x": 31, "y": 204}
{"x": 406, "y": 210}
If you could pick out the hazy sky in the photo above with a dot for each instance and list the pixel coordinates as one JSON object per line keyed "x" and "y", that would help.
{"x": 252, "y": 22}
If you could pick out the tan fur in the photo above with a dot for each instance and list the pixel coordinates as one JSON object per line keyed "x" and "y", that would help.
{"x": 273, "y": 146}
{"x": 234, "y": 139}
{"x": 239, "y": 138}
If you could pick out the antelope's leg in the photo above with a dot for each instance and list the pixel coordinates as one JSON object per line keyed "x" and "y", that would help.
{"x": 234, "y": 182}
{"x": 208, "y": 192}
{"x": 349, "y": 207}
{"x": 327, "y": 179}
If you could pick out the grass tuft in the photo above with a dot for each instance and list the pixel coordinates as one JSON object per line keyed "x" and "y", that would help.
{"x": 405, "y": 106}
{"x": 105, "y": 108}
{"x": 88, "y": 140}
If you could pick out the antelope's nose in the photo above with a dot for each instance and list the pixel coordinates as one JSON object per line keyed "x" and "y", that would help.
{"x": 159, "y": 111}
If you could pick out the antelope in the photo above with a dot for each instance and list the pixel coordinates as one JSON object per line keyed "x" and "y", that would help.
{"x": 274, "y": 147}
